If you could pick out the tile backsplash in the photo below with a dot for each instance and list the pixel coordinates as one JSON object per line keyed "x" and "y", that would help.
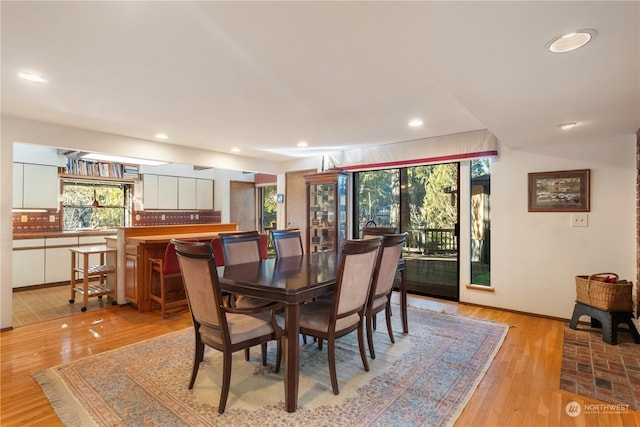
{"x": 36, "y": 222}
{"x": 49, "y": 221}
{"x": 175, "y": 217}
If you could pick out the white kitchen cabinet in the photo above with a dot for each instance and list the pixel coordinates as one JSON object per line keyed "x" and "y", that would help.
{"x": 167, "y": 192}
{"x": 28, "y": 262}
{"x": 186, "y": 193}
{"x": 37, "y": 187}
{"x": 204, "y": 194}
{"x": 57, "y": 258}
{"x": 150, "y": 191}
{"x": 18, "y": 169}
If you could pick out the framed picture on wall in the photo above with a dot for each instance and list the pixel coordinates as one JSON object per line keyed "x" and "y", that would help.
{"x": 559, "y": 191}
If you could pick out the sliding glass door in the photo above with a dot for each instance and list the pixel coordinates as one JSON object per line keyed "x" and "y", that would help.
{"x": 423, "y": 201}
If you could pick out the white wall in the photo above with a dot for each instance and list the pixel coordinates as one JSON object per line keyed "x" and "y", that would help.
{"x": 536, "y": 256}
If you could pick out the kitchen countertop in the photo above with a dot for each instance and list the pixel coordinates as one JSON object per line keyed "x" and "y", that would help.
{"x": 68, "y": 233}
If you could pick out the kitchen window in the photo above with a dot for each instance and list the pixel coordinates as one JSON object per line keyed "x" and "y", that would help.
{"x": 95, "y": 204}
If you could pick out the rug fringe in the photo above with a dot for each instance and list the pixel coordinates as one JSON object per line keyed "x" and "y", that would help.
{"x": 64, "y": 403}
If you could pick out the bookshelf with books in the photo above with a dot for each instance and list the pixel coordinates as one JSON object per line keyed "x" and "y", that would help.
{"x": 103, "y": 170}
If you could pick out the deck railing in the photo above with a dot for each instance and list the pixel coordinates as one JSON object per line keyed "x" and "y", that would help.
{"x": 431, "y": 241}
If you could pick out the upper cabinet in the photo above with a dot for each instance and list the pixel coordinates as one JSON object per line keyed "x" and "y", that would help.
{"x": 186, "y": 193}
{"x": 171, "y": 192}
{"x": 35, "y": 186}
{"x": 204, "y": 193}
{"x": 327, "y": 210}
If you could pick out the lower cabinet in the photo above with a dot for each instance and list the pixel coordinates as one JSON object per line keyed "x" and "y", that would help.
{"x": 28, "y": 262}
{"x": 57, "y": 258}
{"x": 131, "y": 279}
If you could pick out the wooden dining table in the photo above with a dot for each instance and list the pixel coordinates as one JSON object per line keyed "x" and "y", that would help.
{"x": 292, "y": 281}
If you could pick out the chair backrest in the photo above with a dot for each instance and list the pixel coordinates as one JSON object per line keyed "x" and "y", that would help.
{"x": 218, "y": 252}
{"x": 201, "y": 284}
{"x": 386, "y": 273}
{"x": 377, "y": 231}
{"x": 170, "y": 262}
{"x": 287, "y": 242}
{"x": 240, "y": 247}
{"x": 358, "y": 262}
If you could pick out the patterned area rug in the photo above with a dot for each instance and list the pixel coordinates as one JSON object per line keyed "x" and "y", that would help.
{"x": 424, "y": 379}
{"x": 593, "y": 368}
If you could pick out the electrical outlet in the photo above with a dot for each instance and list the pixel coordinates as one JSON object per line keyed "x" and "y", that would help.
{"x": 52, "y": 218}
{"x": 579, "y": 220}
{"x": 163, "y": 217}
{"x": 23, "y": 218}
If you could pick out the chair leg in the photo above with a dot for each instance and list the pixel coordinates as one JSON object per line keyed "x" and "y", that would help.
{"x": 319, "y": 343}
{"x": 332, "y": 365}
{"x": 370, "y": 318}
{"x": 363, "y": 352}
{"x": 263, "y": 347}
{"x": 226, "y": 381}
{"x": 278, "y": 355}
{"x": 199, "y": 354}
{"x": 246, "y": 354}
{"x": 163, "y": 296}
{"x": 387, "y": 312}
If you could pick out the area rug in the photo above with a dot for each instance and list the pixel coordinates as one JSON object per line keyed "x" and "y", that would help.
{"x": 424, "y": 379}
{"x": 595, "y": 369}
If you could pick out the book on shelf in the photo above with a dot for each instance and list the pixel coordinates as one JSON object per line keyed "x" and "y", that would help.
{"x": 101, "y": 169}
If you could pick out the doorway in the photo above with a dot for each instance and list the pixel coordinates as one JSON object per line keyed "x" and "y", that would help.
{"x": 242, "y": 209}
{"x": 422, "y": 201}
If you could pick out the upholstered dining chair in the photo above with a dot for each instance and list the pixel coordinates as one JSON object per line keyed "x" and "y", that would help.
{"x": 287, "y": 242}
{"x": 377, "y": 231}
{"x": 329, "y": 319}
{"x": 384, "y": 277}
{"x": 164, "y": 288}
{"x": 223, "y": 328}
{"x": 239, "y": 248}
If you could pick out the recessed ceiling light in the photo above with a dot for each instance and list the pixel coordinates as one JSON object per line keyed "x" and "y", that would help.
{"x": 567, "y": 126}
{"x": 415, "y": 123}
{"x": 32, "y": 77}
{"x": 572, "y": 41}
{"x": 235, "y": 150}
{"x": 302, "y": 144}
{"x": 162, "y": 136}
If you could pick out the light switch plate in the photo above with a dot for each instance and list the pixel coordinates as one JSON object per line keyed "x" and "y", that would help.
{"x": 579, "y": 220}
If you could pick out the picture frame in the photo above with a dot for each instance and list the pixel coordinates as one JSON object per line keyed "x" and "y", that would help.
{"x": 559, "y": 191}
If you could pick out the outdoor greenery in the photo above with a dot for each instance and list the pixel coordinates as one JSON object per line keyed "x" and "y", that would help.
{"x": 89, "y": 205}
{"x": 269, "y": 205}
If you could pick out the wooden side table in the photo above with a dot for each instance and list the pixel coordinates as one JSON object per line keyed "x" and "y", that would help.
{"x": 80, "y": 265}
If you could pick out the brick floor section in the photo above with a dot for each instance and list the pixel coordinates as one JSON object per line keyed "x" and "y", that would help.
{"x": 593, "y": 368}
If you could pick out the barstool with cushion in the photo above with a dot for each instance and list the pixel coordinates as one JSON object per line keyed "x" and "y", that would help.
{"x": 166, "y": 286}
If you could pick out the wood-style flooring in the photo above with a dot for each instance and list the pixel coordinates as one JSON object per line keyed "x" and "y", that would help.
{"x": 521, "y": 387}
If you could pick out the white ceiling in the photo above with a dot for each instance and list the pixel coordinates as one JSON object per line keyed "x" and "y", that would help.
{"x": 264, "y": 75}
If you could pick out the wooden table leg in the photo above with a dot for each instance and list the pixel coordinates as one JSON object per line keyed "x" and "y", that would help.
{"x": 85, "y": 281}
{"x": 73, "y": 277}
{"x": 291, "y": 356}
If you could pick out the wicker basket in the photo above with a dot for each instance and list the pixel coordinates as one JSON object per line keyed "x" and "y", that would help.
{"x": 593, "y": 291}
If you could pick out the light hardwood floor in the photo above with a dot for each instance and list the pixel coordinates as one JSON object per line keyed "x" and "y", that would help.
{"x": 520, "y": 389}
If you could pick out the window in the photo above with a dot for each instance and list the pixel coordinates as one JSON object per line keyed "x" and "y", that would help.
{"x": 480, "y": 222}
{"x": 269, "y": 206}
{"x": 95, "y": 205}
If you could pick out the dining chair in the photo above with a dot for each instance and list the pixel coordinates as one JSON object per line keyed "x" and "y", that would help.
{"x": 164, "y": 288}
{"x": 329, "y": 319}
{"x": 238, "y": 248}
{"x": 377, "y": 231}
{"x": 287, "y": 242}
{"x": 382, "y": 287}
{"x": 226, "y": 329}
